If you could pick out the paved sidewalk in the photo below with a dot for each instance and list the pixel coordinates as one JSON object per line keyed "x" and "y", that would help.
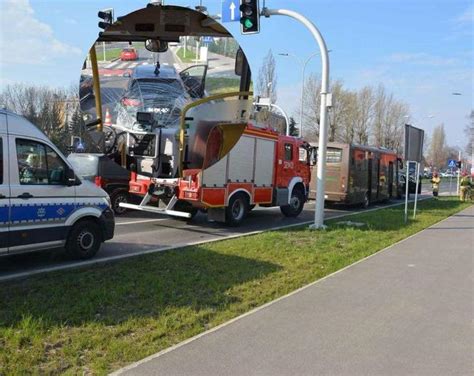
{"x": 405, "y": 311}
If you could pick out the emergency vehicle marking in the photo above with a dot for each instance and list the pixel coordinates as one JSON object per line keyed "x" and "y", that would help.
{"x": 3, "y": 214}
{"x": 33, "y": 213}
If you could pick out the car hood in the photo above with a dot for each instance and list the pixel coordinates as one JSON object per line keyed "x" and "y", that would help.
{"x": 89, "y": 189}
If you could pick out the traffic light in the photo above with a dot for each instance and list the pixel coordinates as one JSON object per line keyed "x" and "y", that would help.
{"x": 249, "y": 17}
{"x": 458, "y": 164}
{"x": 108, "y": 16}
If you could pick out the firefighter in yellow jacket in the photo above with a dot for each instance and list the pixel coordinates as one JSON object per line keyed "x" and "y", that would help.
{"x": 435, "y": 180}
{"x": 465, "y": 188}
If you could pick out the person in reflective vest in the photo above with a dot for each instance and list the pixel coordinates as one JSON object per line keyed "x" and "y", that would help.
{"x": 465, "y": 188}
{"x": 435, "y": 180}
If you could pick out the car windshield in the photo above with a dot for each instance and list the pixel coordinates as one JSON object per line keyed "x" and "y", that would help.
{"x": 128, "y": 50}
{"x": 164, "y": 97}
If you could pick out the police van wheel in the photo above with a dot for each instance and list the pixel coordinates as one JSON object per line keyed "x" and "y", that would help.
{"x": 237, "y": 209}
{"x": 296, "y": 204}
{"x": 84, "y": 240}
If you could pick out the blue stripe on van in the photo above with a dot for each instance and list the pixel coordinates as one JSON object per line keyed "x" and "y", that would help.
{"x": 21, "y": 213}
{"x": 3, "y": 215}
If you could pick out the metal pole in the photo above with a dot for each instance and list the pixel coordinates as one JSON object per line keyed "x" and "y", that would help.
{"x": 323, "y": 131}
{"x": 459, "y": 174}
{"x": 96, "y": 82}
{"x": 284, "y": 115}
{"x": 450, "y": 184}
{"x": 407, "y": 184}
{"x": 416, "y": 187}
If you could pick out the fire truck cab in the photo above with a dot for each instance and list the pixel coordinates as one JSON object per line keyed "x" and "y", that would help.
{"x": 263, "y": 168}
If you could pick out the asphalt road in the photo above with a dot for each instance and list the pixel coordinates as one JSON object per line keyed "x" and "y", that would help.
{"x": 138, "y": 232}
{"x": 404, "y": 311}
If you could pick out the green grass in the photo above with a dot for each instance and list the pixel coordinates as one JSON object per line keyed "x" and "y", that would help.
{"x": 110, "y": 54}
{"x": 219, "y": 85}
{"x": 101, "y": 318}
{"x": 190, "y": 55}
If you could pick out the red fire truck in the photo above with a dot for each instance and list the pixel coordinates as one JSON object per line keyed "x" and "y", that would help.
{"x": 263, "y": 168}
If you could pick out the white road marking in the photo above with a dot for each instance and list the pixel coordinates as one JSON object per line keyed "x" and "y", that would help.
{"x": 112, "y": 64}
{"x": 122, "y": 65}
{"x": 141, "y": 221}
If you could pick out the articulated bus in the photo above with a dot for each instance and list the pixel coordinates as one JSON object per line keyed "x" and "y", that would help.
{"x": 357, "y": 174}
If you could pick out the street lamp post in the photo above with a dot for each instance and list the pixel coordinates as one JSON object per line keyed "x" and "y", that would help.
{"x": 326, "y": 100}
{"x": 303, "y": 70}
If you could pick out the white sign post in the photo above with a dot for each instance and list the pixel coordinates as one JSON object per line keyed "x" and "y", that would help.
{"x": 417, "y": 170}
{"x": 407, "y": 184}
{"x": 414, "y": 138}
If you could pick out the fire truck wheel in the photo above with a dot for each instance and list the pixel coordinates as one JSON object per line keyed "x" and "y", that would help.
{"x": 237, "y": 209}
{"x": 84, "y": 240}
{"x": 296, "y": 204}
{"x": 187, "y": 208}
{"x": 116, "y": 198}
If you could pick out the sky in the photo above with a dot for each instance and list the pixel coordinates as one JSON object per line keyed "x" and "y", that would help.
{"x": 421, "y": 50}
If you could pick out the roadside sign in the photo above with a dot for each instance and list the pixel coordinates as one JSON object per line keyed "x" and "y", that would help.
{"x": 230, "y": 11}
{"x": 413, "y": 143}
{"x": 452, "y": 163}
{"x": 207, "y": 40}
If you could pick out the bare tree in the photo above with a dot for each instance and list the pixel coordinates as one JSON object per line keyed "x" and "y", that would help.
{"x": 311, "y": 103}
{"x": 267, "y": 78}
{"x": 364, "y": 109}
{"x": 437, "y": 152}
{"x": 469, "y": 133}
{"x": 380, "y": 106}
{"x": 51, "y": 110}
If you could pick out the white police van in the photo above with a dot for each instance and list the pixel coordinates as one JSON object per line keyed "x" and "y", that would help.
{"x": 43, "y": 204}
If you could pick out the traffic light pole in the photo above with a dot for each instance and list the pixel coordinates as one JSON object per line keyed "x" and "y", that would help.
{"x": 325, "y": 103}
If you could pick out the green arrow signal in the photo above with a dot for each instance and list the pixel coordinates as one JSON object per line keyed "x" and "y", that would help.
{"x": 248, "y": 23}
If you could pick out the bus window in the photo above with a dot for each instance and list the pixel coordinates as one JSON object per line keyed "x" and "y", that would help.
{"x": 334, "y": 155}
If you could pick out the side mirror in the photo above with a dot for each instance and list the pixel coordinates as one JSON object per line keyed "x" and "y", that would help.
{"x": 70, "y": 177}
{"x": 239, "y": 62}
{"x": 156, "y": 45}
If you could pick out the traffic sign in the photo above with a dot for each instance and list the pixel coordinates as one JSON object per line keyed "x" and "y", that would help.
{"x": 207, "y": 40}
{"x": 230, "y": 11}
{"x": 452, "y": 163}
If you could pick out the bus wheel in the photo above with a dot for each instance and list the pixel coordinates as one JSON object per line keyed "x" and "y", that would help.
{"x": 296, "y": 204}
{"x": 237, "y": 209}
{"x": 366, "y": 202}
{"x": 84, "y": 240}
